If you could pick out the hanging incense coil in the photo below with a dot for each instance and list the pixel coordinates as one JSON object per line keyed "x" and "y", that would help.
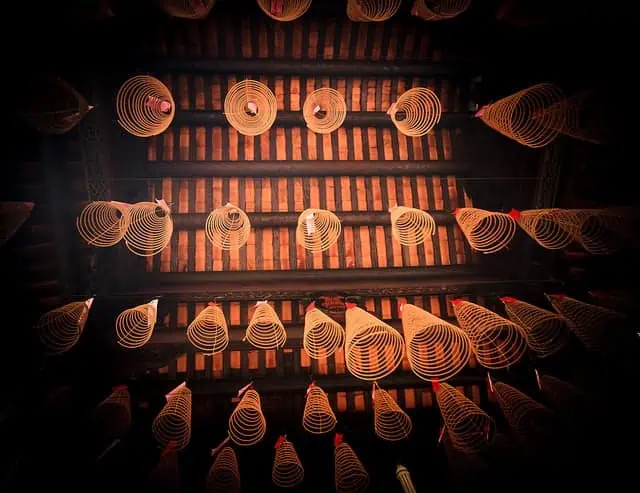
{"x": 390, "y": 421}
{"x": 173, "y": 424}
{"x": 112, "y": 417}
{"x": 284, "y": 10}
{"x": 144, "y": 106}
{"x": 287, "y": 470}
{"x": 470, "y": 429}
{"x": 318, "y": 417}
{"x": 322, "y": 335}
{"x": 134, "y": 326}
{"x": 265, "y": 330}
{"x": 208, "y": 332}
{"x": 416, "y": 112}
{"x": 103, "y": 224}
{"x": 12, "y": 216}
{"x": 547, "y": 332}
{"x": 350, "y": 474}
{"x": 438, "y": 10}
{"x": 60, "y": 329}
{"x": 486, "y": 231}
{"x": 436, "y": 350}
{"x": 411, "y": 226}
{"x": 324, "y": 110}
{"x": 228, "y": 227}
{"x": 522, "y": 115}
{"x": 165, "y": 477}
{"x": 188, "y": 9}
{"x": 150, "y": 228}
{"x": 497, "y": 342}
{"x": 250, "y": 107}
{"x": 600, "y": 232}
{"x": 372, "y": 10}
{"x": 565, "y": 398}
{"x": 224, "y": 475}
{"x": 247, "y": 425}
{"x": 553, "y": 229}
{"x": 373, "y": 348}
{"x": 318, "y": 230}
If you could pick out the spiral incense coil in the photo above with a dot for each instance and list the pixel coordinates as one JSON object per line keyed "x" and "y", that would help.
{"x": 112, "y": 416}
{"x": 322, "y": 335}
{"x": 287, "y": 469}
{"x": 318, "y": 417}
{"x": 553, "y": 229}
{"x": 522, "y": 115}
{"x": 188, "y": 9}
{"x": 288, "y": 10}
{"x": 580, "y": 117}
{"x": 486, "y": 232}
{"x": 324, "y": 110}
{"x": 390, "y": 422}
{"x": 600, "y": 232}
{"x": 547, "y": 332}
{"x": 134, "y": 326}
{"x": 144, "y": 106}
{"x": 150, "y": 228}
{"x": 12, "y": 216}
{"x": 564, "y": 397}
{"x": 228, "y": 227}
{"x": 250, "y": 107}
{"x": 372, "y": 10}
{"x": 265, "y": 330}
{"x": 318, "y": 230}
{"x": 247, "y": 425}
{"x": 224, "y": 475}
{"x": 60, "y": 329}
{"x": 470, "y": 429}
{"x": 416, "y": 112}
{"x": 497, "y": 342}
{"x": 373, "y": 349}
{"x": 350, "y": 474}
{"x": 103, "y": 224}
{"x": 165, "y": 477}
{"x": 411, "y": 226}
{"x": 173, "y": 424}
{"x": 208, "y": 332}
{"x": 438, "y": 10}
{"x": 435, "y": 349}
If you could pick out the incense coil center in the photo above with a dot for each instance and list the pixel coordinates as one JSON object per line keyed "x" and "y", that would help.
{"x": 322, "y": 335}
{"x": 103, "y": 224}
{"x": 324, "y": 110}
{"x": 416, "y": 112}
{"x": 318, "y": 230}
{"x": 144, "y": 106}
{"x": 134, "y": 326}
{"x": 60, "y": 329}
{"x": 265, "y": 330}
{"x": 150, "y": 229}
{"x": 411, "y": 226}
{"x": 486, "y": 232}
{"x": 228, "y": 227}
{"x": 250, "y": 107}
{"x": 208, "y": 332}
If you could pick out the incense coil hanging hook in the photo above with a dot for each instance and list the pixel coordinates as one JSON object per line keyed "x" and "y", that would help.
{"x": 372, "y": 10}
{"x": 228, "y": 227}
{"x": 265, "y": 330}
{"x": 247, "y": 425}
{"x": 318, "y": 230}
{"x": 411, "y": 226}
{"x": 416, "y": 112}
{"x": 436, "y": 350}
{"x": 318, "y": 417}
{"x": 322, "y": 335}
{"x": 350, "y": 474}
{"x": 209, "y": 332}
{"x": 553, "y": 229}
{"x": 150, "y": 228}
{"x": 187, "y": 9}
{"x": 103, "y": 224}
{"x": 438, "y": 10}
{"x": 173, "y": 423}
{"x": 324, "y": 110}
{"x": 497, "y": 342}
{"x": 373, "y": 348}
{"x": 600, "y": 232}
{"x": 287, "y": 470}
{"x": 486, "y": 231}
{"x": 390, "y": 421}
{"x": 290, "y": 9}
{"x": 250, "y": 107}
{"x": 144, "y": 106}
{"x": 224, "y": 475}
{"x": 134, "y": 326}
{"x": 60, "y": 329}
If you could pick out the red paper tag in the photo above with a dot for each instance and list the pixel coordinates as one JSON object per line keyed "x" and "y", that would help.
{"x": 312, "y": 384}
{"x": 118, "y": 388}
{"x": 337, "y": 439}
{"x": 435, "y": 385}
{"x": 276, "y": 7}
{"x": 456, "y": 302}
{"x": 280, "y": 441}
{"x": 311, "y": 306}
{"x": 455, "y": 211}
{"x": 514, "y": 214}
{"x": 401, "y": 306}
{"x": 169, "y": 447}
{"x": 507, "y": 299}
{"x": 480, "y": 112}
{"x": 350, "y": 305}
{"x": 558, "y": 296}
{"x": 212, "y": 303}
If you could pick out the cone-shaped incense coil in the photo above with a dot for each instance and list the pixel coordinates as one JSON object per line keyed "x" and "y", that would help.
{"x": 150, "y": 228}
{"x": 208, "y": 332}
{"x": 224, "y": 475}
{"x": 411, "y": 226}
{"x": 265, "y": 330}
{"x": 322, "y": 335}
{"x": 228, "y": 227}
{"x": 547, "y": 332}
{"x": 290, "y": 10}
{"x": 318, "y": 417}
{"x": 324, "y": 110}
{"x": 496, "y": 341}
{"x": 103, "y": 224}
{"x": 318, "y": 230}
{"x": 188, "y": 9}
{"x": 436, "y": 349}
{"x": 564, "y": 397}
{"x": 390, "y": 422}
{"x": 134, "y": 326}
{"x": 522, "y": 115}
{"x": 553, "y": 229}
{"x": 580, "y": 116}
{"x": 12, "y": 216}
{"x": 145, "y": 106}
{"x": 373, "y": 349}
{"x": 112, "y": 417}
{"x": 438, "y": 10}
{"x": 165, "y": 477}
{"x": 486, "y": 232}
{"x": 350, "y": 474}
{"x": 287, "y": 470}
{"x": 416, "y": 112}
{"x": 600, "y": 232}
{"x": 250, "y": 107}
{"x": 470, "y": 428}
{"x": 247, "y": 425}
{"x": 372, "y": 10}
{"x": 173, "y": 424}
{"x": 60, "y": 329}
